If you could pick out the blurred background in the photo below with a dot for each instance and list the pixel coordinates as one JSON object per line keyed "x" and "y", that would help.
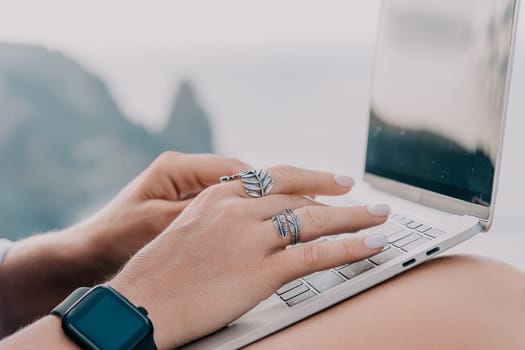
{"x": 91, "y": 92}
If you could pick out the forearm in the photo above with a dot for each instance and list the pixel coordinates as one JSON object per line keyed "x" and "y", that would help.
{"x": 45, "y": 331}
{"x": 42, "y": 270}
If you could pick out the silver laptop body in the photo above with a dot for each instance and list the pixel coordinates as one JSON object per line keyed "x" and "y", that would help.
{"x": 437, "y": 114}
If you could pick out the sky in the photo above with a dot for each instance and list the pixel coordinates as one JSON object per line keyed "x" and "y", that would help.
{"x": 102, "y": 24}
{"x": 135, "y": 46}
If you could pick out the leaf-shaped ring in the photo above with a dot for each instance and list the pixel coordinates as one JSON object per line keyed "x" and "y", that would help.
{"x": 288, "y": 222}
{"x": 294, "y": 224}
{"x": 281, "y": 226}
{"x": 257, "y": 183}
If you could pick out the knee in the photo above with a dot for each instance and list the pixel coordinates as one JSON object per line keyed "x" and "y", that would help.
{"x": 464, "y": 278}
{"x": 462, "y": 302}
{"x": 454, "y": 302}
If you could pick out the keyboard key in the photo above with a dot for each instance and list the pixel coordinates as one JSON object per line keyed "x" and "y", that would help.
{"x": 294, "y": 292}
{"x": 396, "y": 237}
{"x": 413, "y": 225}
{"x": 408, "y": 239}
{"x": 355, "y": 269}
{"x": 378, "y": 229}
{"x": 415, "y": 244}
{"x": 390, "y": 230}
{"x": 325, "y": 281}
{"x": 289, "y": 286}
{"x": 423, "y": 228}
{"x": 312, "y": 275}
{"x": 435, "y": 233}
{"x": 385, "y": 256}
{"x": 300, "y": 298}
{"x": 405, "y": 221}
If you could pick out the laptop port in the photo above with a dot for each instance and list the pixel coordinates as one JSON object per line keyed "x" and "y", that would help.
{"x": 409, "y": 262}
{"x": 433, "y": 251}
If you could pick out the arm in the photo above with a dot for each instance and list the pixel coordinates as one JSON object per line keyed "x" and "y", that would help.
{"x": 187, "y": 299}
{"x": 44, "y": 331}
{"x": 4, "y": 247}
{"x": 40, "y": 271}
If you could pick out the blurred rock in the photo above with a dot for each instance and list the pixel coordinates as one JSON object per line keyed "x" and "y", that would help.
{"x": 66, "y": 147}
{"x": 187, "y": 111}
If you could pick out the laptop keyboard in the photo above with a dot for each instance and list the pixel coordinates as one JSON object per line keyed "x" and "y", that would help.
{"x": 404, "y": 235}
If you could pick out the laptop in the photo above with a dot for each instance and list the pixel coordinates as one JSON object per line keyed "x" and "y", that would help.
{"x": 437, "y": 111}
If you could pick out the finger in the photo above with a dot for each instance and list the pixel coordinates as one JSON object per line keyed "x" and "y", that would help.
{"x": 318, "y": 221}
{"x": 269, "y": 206}
{"x": 266, "y": 207}
{"x": 292, "y": 180}
{"x": 194, "y": 172}
{"x": 305, "y": 259}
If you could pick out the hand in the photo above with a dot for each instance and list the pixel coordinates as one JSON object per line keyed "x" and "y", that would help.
{"x": 222, "y": 255}
{"x": 41, "y": 270}
{"x": 147, "y": 205}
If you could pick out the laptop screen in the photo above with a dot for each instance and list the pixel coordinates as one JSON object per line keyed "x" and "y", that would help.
{"x": 438, "y": 96}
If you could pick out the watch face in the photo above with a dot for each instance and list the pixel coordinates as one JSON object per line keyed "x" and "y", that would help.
{"x": 105, "y": 320}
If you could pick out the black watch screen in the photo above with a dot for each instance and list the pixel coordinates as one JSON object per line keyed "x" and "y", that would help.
{"x": 105, "y": 320}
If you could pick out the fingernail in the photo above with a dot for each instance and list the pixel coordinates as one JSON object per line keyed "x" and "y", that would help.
{"x": 376, "y": 241}
{"x": 345, "y": 181}
{"x": 379, "y": 209}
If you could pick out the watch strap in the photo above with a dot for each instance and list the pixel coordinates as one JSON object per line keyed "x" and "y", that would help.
{"x": 61, "y": 309}
{"x": 147, "y": 343}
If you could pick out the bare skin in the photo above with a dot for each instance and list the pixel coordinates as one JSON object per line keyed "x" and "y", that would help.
{"x": 452, "y": 303}
{"x": 40, "y": 271}
{"x": 456, "y": 302}
{"x": 225, "y": 243}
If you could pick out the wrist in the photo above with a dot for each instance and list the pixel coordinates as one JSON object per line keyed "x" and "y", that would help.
{"x": 47, "y": 330}
{"x": 169, "y": 331}
{"x": 53, "y": 325}
{"x": 95, "y": 245}
{"x": 111, "y": 239}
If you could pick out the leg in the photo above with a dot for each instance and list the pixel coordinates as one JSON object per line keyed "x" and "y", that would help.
{"x": 454, "y": 302}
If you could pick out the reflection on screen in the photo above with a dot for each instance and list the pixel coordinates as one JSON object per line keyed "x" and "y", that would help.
{"x": 438, "y": 97}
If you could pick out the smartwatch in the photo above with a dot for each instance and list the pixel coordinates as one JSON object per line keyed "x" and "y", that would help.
{"x": 100, "y": 318}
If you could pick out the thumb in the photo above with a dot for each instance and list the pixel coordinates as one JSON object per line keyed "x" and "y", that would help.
{"x": 192, "y": 173}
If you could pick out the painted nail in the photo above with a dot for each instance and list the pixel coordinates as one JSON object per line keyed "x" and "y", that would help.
{"x": 376, "y": 241}
{"x": 345, "y": 181}
{"x": 379, "y": 209}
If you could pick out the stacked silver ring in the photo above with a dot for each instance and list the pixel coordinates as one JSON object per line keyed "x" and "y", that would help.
{"x": 288, "y": 222}
{"x": 257, "y": 183}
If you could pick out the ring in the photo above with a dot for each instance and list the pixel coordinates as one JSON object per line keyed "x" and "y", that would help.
{"x": 288, "y": 222}
{"x": 257, "y": 183}
{"x": 279, "y": 222}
